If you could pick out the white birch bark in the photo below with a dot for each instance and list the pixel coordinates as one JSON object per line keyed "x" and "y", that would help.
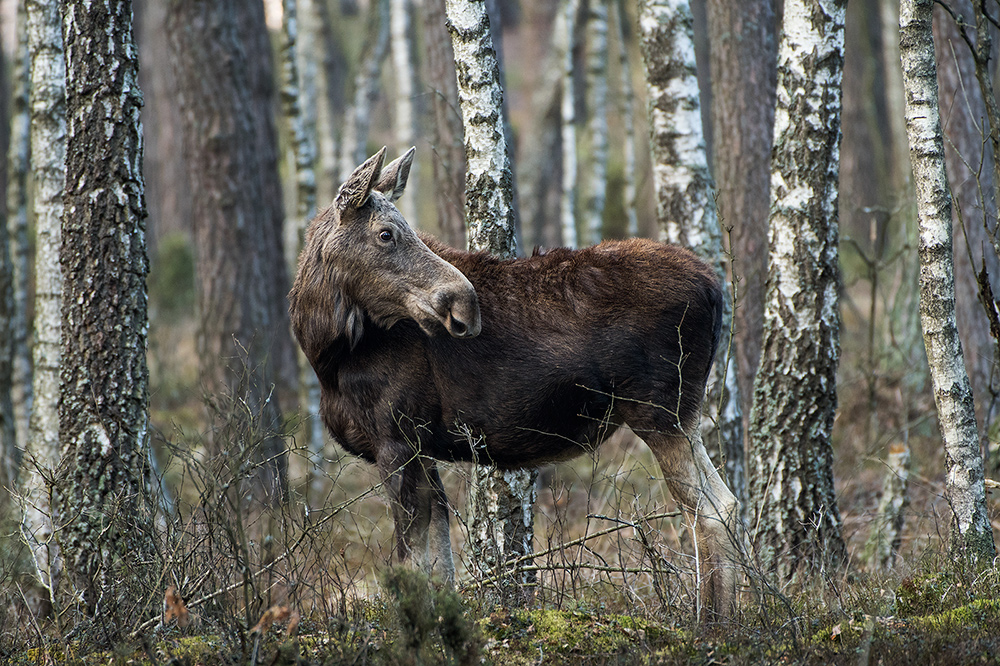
{"x": 316, "y": 26}
{"x": 501, "y": 504}
{"x": 366, "y": 88}
{"x": 48, "y": 155}
{"x": 404, "y": 75}
{"x": 564, "y": 39}
{"x": 299, "y": 102}
{"x": 597, "y": 123}
{"x": 965, "y": 484}
{"x": 686, "y": 213}
{"x": 105, "y": 531}
{"x": 795, "y": 394}
{"x": 18, "y": 156}
{"x": 628, "y": 121}
{"x": 887, "y": 531}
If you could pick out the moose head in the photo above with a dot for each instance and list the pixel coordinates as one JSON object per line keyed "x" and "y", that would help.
{"x": 361, "y": 258}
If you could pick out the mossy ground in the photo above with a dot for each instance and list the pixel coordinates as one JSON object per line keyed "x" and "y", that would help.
{"x": 966, "y": 634}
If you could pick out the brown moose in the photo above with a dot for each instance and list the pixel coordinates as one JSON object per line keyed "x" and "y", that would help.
{"x": 418, "y": 345}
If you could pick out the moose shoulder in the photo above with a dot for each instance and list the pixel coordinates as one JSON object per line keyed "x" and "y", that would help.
{"x": 428, "y": 353}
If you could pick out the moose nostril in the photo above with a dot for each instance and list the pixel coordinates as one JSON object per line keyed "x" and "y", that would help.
{"x": 458, "y": 328}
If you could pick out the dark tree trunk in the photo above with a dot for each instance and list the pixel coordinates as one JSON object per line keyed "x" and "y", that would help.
{"x": 104, "y": 532}
{"x": 448, "y": 156}
{"x": 743, "y": 64}
{"x": 221, "y": 61}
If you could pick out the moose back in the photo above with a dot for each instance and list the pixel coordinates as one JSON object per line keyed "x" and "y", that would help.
{"x": 426, "y": 353}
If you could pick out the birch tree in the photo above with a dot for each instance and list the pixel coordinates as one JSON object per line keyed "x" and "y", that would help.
{"x": 795, "y": 393}
{"x": 366, "y": 87}
{"x": 299, "y": 103}
{"x": 404, "y": 72}
{"x": 965, "y": 485}
{"x": 628, "y": 120}
{"x": 597, "y": 121}
{"x": 104, "y": 527}
{"x": 501, "y": 503}
{"x": 565, "y": 38}
{"x": 48, "y": 155}
{"x": 448, "y": 155}
{"x": 18, "y": 156}
{"x": 685, "y": 204}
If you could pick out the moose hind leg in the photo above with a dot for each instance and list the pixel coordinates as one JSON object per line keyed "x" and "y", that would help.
{"x": 714, "y": 511}
{"x": 442, "y": 561}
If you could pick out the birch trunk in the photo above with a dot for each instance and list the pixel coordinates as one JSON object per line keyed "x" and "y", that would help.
{"x": 105, "y": 527}
{"x": 404, "y": 75}
{"x": 501, "y": 504}
{"x": 18, "y": 157}
{"x": 597, "y": 122}
{"x": 565, "y": 37}
{"x": 965, "y": 485}
{"x": 10, "y": 456}
{"x": 974, "y": 199}
{"x": 685, "y": 208}
{"x": 628, "y": 121}
{"x": 795, "y": 394}
{"x": 48, "y": 155}
{"x": 366, "y": 88}
{"x": 299, "y": 102}
{"x": 448, "y": 156}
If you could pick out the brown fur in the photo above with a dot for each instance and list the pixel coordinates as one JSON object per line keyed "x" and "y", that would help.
{"x": 570, "y": 344}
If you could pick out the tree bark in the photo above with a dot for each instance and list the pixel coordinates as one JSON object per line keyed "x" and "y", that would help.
{"x": 501, "y": 504}
{"x": 222, "y": 65}
{"x": 404, "y": 72}
{"x": 974, "y": 213}
{"x": 299, "y": 102}
{"x": 685, "y": 197}
{"x": 565, "y": 38}
{"x": 795, "y": 394}
{"x": 596, "y": 167}
{"x": 448, "y": 154}
{"x": 965, "y": 485}
{"x": 18, "y": 164}
{"x": 366, "y": 88}
{"x": 104, "y": 531}
{"x": 48, "y": 156}
{"x": 628, "y": 121}
{"x": 743, "y": 66}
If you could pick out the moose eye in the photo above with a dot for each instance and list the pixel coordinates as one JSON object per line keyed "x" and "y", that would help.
{"x": 385, "y": 236}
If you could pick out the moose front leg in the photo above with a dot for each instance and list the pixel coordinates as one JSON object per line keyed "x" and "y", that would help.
{"x": 714, "y": 511}
{"x": 410, "y": 496}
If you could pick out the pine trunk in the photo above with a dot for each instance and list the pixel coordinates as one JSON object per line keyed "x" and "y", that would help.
{"x": 965, "y": 484}
{"x": 48, "y": 157}
{"x": 222, "y": 65}
{"x": 742, "y": 61}
{"x": 685, "y": 208}
{"x": 795, "y": 394}
{"x": 448, "y": 156}
{"x": 501, "y": 504}
{"x": 105, "y": 531}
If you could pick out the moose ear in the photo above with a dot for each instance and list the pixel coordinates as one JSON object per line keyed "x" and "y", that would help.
{"x": 355, "y": 191}
{"x": 394, "y": 175}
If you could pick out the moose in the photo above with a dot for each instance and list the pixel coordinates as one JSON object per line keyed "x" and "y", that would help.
{"x": 418, "y": 345}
